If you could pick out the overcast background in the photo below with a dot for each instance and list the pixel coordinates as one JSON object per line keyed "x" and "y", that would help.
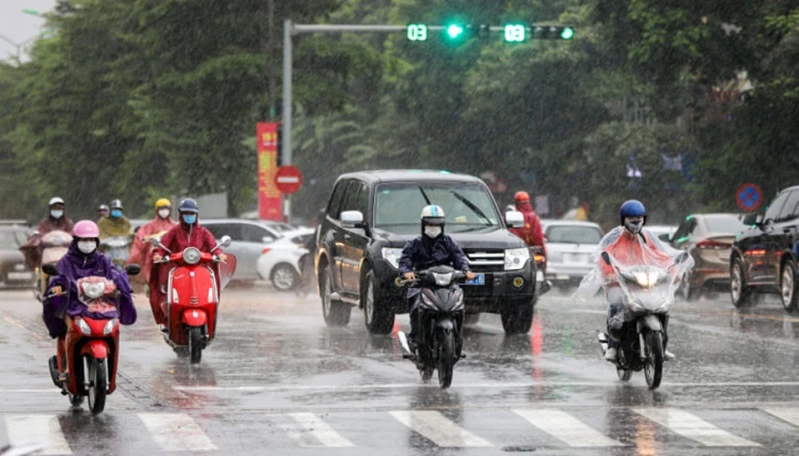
{"x": 18, "y": 27}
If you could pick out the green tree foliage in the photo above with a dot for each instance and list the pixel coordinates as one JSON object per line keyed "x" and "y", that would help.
{"x": 143, "y": 98}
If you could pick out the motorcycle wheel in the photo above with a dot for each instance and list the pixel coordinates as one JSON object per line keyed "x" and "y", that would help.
{"x": 98, "y": 385}
{"x": 446, "y": 360}
{"x": 653, "y": 366}
{"x": 624, "y": 374}
{"x": 195, "y": 345}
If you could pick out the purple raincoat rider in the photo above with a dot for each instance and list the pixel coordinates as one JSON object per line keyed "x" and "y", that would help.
{"x": 83, "y": 260}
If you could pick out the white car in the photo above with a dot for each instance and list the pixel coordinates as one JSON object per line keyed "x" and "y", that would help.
{"x": 571, "y": 246}
{"x": 279, "y": 262}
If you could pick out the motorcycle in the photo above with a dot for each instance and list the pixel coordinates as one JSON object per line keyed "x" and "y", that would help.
{"x": 648, "y": 292}
{"x": 53, "y": 246}
{"x": 117, "y": 249}
{"x": 188, "y": 293}
{"x": 441, "y": 313}
{"x": 92, "y": 345}
{"x": 542, "y": 285}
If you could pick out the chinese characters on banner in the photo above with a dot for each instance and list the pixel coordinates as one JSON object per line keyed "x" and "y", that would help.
{"x": 269, "y": 197}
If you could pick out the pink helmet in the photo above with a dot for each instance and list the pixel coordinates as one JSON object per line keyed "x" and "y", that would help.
{"x": 86, "y": 229}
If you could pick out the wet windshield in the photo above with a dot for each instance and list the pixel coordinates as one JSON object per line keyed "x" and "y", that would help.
{"x": 468, "y": 207}
{"x": 573, "y": 235}
{"x": 11, "y": 240}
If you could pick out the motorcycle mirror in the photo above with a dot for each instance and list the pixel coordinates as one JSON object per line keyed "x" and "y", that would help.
{"x": 606, "y": 258}
{"x": 50, "y": 269}
{"x": 133, "y": 269}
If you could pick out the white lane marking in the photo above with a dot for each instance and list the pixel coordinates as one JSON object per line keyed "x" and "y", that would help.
{"x": 176, "y": 432}
{"x": 308, "y": 430}
{"x": 565, "y": 427}
{"x": 607, "y": 384}
{"x": 789, "y": 414}
{"x": 693, "y": 427}
{"x": 438, "y": 429}
{"x": 31, "y": 429}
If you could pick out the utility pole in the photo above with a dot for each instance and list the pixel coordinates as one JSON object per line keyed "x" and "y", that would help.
{"x": 270, "y": 59}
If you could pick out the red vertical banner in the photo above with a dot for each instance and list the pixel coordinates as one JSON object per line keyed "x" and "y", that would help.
{"x": 269, "y": 197}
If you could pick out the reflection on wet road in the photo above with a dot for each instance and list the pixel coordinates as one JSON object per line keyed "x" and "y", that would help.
{"x": 278, "y": 381}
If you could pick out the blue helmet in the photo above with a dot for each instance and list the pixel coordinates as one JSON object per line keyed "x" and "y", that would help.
{"x": 189, "y": 205}
{"x": 632, "y": 208}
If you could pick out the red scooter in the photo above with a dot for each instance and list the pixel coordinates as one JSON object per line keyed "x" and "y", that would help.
{"x": 92, "y": 345}
{"x": 188, "y": 294}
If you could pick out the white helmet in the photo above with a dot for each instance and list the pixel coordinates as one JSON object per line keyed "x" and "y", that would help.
{"x": 55, "y": 200}
{"x": 433, "y": 215}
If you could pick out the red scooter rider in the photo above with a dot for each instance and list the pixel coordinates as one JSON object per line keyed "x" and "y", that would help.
{"x": 188, "y": 233}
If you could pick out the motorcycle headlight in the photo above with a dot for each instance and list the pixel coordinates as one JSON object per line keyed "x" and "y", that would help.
{"x": 646, "y": 279}
{"x": 515, "y": 258}
{"x": 109, "y": 327}
{"x": 392, "y": 256}
{"x": 93, "y": 290}
{"x": 191, "y": 255}
{"x": 443, "y": 280}
{"x": 83, "y": 326}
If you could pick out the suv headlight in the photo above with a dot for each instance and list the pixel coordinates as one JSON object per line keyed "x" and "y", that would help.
{"x": 515, "y": 258}
{"x": 392, "y": 256}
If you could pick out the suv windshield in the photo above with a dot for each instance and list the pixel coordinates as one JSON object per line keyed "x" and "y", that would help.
{"x": 573, "y": 235}
{"x": 468, "y": 207}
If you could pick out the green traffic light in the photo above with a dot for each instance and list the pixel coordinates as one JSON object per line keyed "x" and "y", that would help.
{"x": 454, "y": 31}
{"x": 567, "y": 33}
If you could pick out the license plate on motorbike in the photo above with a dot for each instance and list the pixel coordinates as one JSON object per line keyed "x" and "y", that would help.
{"x": 479, "y": 279}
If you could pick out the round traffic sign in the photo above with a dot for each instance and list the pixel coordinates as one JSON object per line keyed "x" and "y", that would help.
{"x": 288, "y": 179}
{"x": 749, "y": 197}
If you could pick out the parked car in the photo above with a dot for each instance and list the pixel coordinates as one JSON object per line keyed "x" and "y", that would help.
{"x": 571, "y": 246}
{"x": 279, "y": 262}
{"x": 13, "y": 269}
{"x": 764, "y": 256}
{"x": 249, "y": 239}
{"x": 372, "y": 215}
{"x": 662, "y": 232}
{"x": 708, "y": 239}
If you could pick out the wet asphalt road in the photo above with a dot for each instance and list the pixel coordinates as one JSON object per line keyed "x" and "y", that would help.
{"x": 278, "y": 381}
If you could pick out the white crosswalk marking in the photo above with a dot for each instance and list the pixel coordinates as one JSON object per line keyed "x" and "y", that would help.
{"x": 693, "y": 427}
{"x": 565, "y": 427}
{"x": 176, "y": 432}
{"x": 32, "y": 429}
{"x": 789, "y": 414}
{"x": 437, "y": 428}
{"x": 308, "y": 430}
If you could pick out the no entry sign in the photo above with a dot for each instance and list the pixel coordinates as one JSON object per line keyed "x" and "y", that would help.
{"x": 288, "y": 179}
{"x": 749, "y": 197}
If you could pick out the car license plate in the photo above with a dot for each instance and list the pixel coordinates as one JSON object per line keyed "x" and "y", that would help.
{"x": 575, "y": 258}
{"x": 539, "y": 276}
{"x": 20, "y": 275}
{"x": 479, "y": 279}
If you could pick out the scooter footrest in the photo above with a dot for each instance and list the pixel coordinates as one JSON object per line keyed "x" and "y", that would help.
{"x": 407, "y": 356}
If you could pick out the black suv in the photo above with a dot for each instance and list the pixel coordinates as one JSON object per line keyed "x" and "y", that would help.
{"x": 371, "y": 216}
{"x": 763, "y": 257}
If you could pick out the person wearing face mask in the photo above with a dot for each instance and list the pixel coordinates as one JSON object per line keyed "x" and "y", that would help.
{"x": 628, "y": 243}
{"x": 187, "y": 233}
{"x": 432, "y": 248}
{"x": 116, "y": 224}
{"x": 55, "y": 219}
{"x": 141, "y": 251}
{"x": 82, "y": 260}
